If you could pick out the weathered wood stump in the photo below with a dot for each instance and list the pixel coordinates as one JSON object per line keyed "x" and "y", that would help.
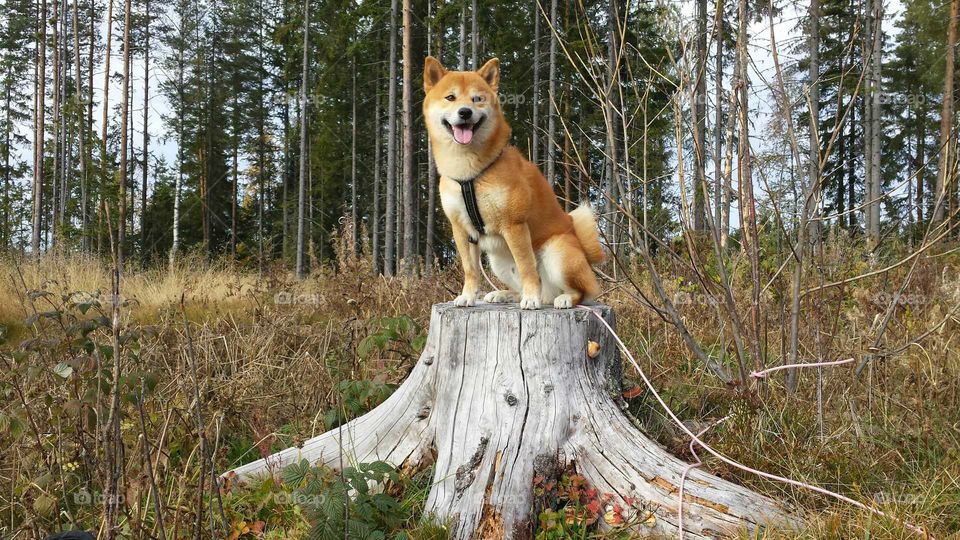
{"x": 500, "y": 396}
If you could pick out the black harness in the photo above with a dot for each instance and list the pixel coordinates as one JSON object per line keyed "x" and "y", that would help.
{"x": 468, "y": 189}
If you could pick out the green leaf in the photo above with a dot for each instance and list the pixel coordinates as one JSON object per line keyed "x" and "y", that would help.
{"x": 63, "y": 369}
{"x": 293, "y": 475}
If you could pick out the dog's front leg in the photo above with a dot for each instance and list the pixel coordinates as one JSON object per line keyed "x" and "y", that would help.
{"x": 470, "y": 259}
{"x": 518, "y": 240}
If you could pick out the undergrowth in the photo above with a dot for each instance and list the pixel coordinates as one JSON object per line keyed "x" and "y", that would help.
{"x": 275, "y": 361}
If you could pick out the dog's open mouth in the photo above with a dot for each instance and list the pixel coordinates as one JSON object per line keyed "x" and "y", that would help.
{"x": 463, "y": 133}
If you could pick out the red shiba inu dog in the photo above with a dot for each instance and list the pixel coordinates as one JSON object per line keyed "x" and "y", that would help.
{"x": 499, "y": 203}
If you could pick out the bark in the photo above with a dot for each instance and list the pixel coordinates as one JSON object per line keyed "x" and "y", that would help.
{"x": 39, "y": 133}
{"x": 921, "y": 162}
{"x": 501, "y": 396}
{"x": 390, "y": 234}
{"x": 700, "y": 122}
{"x": 721, "y": 197}
{"x": 354, "y": 223}
{"x": 88, "y": 132}
{"x": 124, "y": 138}
{"x": 57, "y": 124}
{"x": 745, "y": 179}
{"x": 304, "y": 115}
{"x": 945, "y": 178}
{"x": 552, "y": 95}
{"x": 463, "y": 38}
{"x": 612, "y": 112}
{"x": 813, "y": 194}
{"x": 410, "y": 206}
{"x": 535, "y": 128}
{"x": 432, "y": 179}
{"x": 146, "y": 132}
{"x": 876, "y": 130}
{"x": 375, "y": 221}
{"x": 474, "y": 35}
{"x": 106, "y": 76}
{"x": 82, "y": 139}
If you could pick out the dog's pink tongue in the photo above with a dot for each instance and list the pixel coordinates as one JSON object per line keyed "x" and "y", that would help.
{"x": 463, "y": 134}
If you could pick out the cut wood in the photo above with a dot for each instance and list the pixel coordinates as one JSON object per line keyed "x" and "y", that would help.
{"x": 501, "y": 396}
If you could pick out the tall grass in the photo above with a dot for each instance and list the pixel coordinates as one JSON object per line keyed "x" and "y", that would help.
{"x": 271, "y": 355}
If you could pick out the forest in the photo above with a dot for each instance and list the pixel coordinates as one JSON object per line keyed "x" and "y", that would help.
{"x": 222, "y": 235}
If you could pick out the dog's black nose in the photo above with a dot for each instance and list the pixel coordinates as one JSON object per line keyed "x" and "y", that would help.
{"x": 465, "y": 113}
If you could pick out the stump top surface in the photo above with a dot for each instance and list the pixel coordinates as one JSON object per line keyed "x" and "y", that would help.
{"x": 482, "y": 307}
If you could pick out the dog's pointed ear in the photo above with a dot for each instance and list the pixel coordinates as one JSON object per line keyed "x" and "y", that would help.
{"x": 432, "y": 73}
{"x": 491, "y": 72}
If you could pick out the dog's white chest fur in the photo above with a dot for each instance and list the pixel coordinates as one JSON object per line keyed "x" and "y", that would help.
{"x": 451, "y": 198}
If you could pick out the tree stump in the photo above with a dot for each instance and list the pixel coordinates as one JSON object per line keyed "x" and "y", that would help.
{"x": 502, "y": 395}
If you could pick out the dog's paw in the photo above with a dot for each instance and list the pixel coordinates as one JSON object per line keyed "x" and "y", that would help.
{"x": 500, "y": 297}
{"x": 564, "y": 301}
{"x": 530, "y": 302}
{"x": 465, "y": 300}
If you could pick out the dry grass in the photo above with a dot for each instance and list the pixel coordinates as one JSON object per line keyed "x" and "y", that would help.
{"x": 270, "y": 351}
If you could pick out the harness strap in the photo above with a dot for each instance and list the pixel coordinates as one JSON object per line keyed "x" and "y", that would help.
{"x": 468, "y": 189}
{"x": 470, "y": 201}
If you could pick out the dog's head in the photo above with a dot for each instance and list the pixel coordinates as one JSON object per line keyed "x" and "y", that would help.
{"x": 461, "y": 107}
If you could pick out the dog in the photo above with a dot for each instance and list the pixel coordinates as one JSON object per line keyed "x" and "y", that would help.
{"x": 499, "y": 203}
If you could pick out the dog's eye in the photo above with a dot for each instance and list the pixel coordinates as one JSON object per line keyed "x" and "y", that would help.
{"x": 451, "y": 97}
{"x": 477, "y": 99}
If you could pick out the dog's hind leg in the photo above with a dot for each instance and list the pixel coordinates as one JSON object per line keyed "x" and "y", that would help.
{"x": 567, "y": 277}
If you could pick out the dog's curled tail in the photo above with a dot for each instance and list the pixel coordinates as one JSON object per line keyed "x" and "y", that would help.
{"x": 585, "y": 227}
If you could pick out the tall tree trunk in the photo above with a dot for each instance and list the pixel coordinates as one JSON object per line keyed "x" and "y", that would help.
{"x": 700, "y": 122}
{"x": 39, "y": 133}
{"x": 390, "y": 236}
{"x": 813, "y": 191}
{"x": 611, "y": 114}
{"x": 235, "y": 173}
{"x": 65, "y": 153}
{"x": 745, "y": 179}
{"x": 106, "y": 76}
{"x": 124, "y": 138}
{"x": 410, "y": 206}
{"x": 82, "y": 139}
{"x": 721, "y": 197}
{"x": 843, "y": 143}
{"x": 852, "y": 174}
{"x": 463, "y": 37}
{"x": 146, "y": 132}
{"x": 304, "y": 115}
{"x": 945, "y": 178}
{"x": 868, "y": 195}
{"x": 6, "y": 170}
{"x": 474, "y": 35}
{"x": 431, "y": 166}
{"x": 354, "y": 223}
{"x": 57, "y": 81}
{"x": 375, "y": 221}
{"x": 287, "y": 174}
{"x": 552, "y": 95}
{"x": 876, "y": 131}
{"x": 85, "y": 201}
{"x": 921, "y": 161}
{"x": 535, "y": 128}
{"x": 181, "y": 144}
